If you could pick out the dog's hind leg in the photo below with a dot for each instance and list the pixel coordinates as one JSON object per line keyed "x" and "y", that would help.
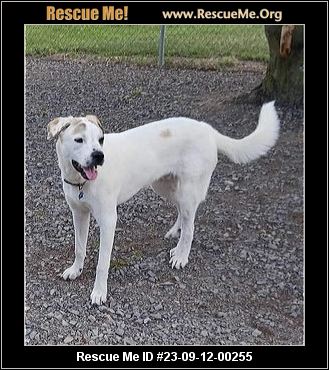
{"x": 179, "y": 255}
{"x": 167, "y": 187}
{"x": 174, "y": 231}
{"x": 189, "y": 195}
{"x": 81, "y": 220}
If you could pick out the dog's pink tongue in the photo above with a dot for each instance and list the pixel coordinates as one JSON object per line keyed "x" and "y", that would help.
{"x": 91, "y": 173}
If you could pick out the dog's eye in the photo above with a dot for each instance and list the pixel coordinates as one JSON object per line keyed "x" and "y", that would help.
{"x": 79, "y": 140}
{"x": 101, "y": 140}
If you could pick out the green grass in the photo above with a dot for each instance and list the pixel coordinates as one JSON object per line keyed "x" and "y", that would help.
{"x": 119, "y": 263}
{"x": 227, "y": 43}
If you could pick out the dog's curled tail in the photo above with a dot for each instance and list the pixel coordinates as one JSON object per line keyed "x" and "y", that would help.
{"x": 257, "y": 143}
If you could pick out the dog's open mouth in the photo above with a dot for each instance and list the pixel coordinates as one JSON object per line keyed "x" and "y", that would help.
{"x": 88, "y": 173}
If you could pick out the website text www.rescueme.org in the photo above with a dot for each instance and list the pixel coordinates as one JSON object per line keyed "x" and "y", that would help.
{"x": 223, "y": 14}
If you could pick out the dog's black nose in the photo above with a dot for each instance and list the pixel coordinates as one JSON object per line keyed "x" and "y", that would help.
{"x": 98, "y": 157}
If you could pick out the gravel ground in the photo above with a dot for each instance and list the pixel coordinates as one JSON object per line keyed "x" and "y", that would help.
{"x": 244, "y": 280}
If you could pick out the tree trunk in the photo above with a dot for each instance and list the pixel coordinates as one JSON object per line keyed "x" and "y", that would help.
{"x": 284, "y": 77}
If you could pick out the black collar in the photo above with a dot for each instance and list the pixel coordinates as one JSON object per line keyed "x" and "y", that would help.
{"x": 80, "y": 186}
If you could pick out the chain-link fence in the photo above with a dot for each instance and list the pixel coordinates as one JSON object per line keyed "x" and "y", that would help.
{"x": 208, "y": 46}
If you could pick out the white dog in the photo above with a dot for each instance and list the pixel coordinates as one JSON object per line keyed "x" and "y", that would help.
{"x": 176, "y": 156}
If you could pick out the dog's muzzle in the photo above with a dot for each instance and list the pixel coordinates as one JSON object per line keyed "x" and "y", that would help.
{"x": 97, "y": 158}
{"x": 90, "y": 172}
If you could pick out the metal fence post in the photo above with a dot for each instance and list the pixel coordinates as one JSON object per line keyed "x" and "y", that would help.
{"x": 161, "y": 46}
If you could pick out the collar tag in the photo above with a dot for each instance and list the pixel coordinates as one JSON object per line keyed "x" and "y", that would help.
{"x": 80, "y": 186}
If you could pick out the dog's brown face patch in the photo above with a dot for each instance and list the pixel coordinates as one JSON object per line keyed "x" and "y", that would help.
{"x": 166, "y": 133}
{"x": 79, "y": 128}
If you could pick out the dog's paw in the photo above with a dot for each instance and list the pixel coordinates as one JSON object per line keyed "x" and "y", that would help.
{"x": 72, "y": 272}
{"x": 179, "y": 258}
{"x": 172, "y": 233}
{"x": 98, "y": 296}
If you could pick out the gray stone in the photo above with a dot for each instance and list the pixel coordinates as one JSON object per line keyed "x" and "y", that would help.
{"x": 68, "y": 339}
{"x": 256, "y": 333}
{"x": 119, "y": 332}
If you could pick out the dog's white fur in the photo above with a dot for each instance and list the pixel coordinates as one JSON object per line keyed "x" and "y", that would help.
{"x": 176, "y": 156}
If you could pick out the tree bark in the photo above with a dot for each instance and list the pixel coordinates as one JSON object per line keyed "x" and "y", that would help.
{"x": 284, "y": 79}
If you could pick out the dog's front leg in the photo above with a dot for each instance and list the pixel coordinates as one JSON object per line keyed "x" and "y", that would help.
{"x": 107, "y": 224}
{"x": 81, "y": 218}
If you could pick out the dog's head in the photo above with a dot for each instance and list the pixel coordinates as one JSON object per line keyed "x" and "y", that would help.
{"x": 80, "y": 142}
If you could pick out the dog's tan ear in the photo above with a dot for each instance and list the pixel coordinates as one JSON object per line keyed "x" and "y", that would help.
{"x": 92, "y": 118}
{"x": 56, "y": 126}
